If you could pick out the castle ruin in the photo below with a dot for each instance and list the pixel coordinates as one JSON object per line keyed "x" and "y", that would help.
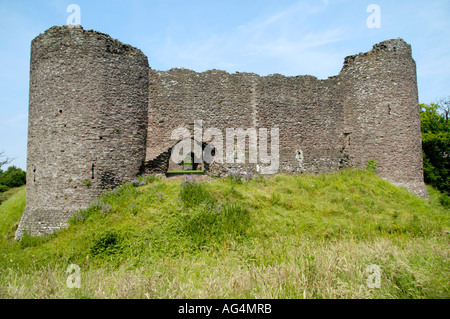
{"x": 99, "y": 116}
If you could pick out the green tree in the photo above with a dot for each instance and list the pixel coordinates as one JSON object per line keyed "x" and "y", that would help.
{"x": 436, "y": 144}
{"x": 12, "y": 177}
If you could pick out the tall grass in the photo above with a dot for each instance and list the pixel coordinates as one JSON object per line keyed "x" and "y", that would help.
{"x": 309, "y": 236}
{"x": 11, "y": 210}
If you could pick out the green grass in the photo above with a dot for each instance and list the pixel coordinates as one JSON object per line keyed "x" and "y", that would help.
{"x": 11, "y": 209}
{"x": 308, "y": 236}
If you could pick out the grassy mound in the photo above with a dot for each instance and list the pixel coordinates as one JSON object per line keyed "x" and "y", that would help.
{"x": 265, "y": 237}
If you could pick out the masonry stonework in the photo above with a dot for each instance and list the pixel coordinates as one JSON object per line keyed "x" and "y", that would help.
{"x": 87, "y": 122}
{"x": 99, "y": 116}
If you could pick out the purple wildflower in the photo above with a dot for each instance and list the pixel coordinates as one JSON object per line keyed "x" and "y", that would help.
{"x": 105, "y": 208}
{"x": 160, "y": 195}
{"x": 188, "y": 180}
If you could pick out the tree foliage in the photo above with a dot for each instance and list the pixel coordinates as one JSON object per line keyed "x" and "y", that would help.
{"x": 12, "y": 177}
{"x": 436, "y": 144}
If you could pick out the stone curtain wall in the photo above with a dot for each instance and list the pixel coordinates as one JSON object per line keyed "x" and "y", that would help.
{"x": 369, "y": 111}
{"x": 87, "y": 122}
{"x": 302, "y": 108}
{"x": 309, "y": 120}
{"x": 179, "y": 97}
{"x": 99, "y": 116}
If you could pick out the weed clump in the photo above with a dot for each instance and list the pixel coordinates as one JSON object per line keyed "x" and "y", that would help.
{"x": 32, "y": 241}
{"x": 193, "y": 193}
{"x": 206, "y": 221}
{"x": 107, "y": 243}
{"x": 217, "y": 223}
{"x": 371, "y": 165}
{"x": 239, "y": 177}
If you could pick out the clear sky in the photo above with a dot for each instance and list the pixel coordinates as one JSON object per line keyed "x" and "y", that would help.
{"x": 289, "y": 37}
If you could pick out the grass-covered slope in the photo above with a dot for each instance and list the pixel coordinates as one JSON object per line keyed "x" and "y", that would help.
{"x": 273, "y": 237}
{"x": 11, "y": 210}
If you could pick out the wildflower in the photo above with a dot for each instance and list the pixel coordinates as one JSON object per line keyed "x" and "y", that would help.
{"x": 80, "y": 217}
{"x": 235, "y": 176}
{"x": 105, "y": 208}
{"x": 132, "y": 209}
{"x": 142, "y": 183}
{"x": 160, "y": 195}
{"x": 188, "y": 180}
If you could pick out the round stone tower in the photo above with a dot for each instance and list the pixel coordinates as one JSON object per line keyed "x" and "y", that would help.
{"x": 87, "y": 122}
{"x": 381, "y": 113}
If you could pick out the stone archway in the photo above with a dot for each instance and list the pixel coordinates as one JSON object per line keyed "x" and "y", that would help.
{"x": 191, "y": 162}
{"x": 163, "y": 162}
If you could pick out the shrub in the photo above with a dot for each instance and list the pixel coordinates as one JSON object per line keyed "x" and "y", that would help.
{"x": 371, "y": 165}
{"x": 444, "y": 199}
{"x": 435, "y": 127}
{"x": 107, "y": 243}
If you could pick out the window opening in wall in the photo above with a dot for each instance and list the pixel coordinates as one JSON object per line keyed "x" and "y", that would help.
{"x": 189, "y": 163}
{"x": 347, "y": 137}
{"x": 93, "y": 167}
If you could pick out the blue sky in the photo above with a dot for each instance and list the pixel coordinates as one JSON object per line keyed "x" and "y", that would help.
{"x": 261, "y": 36}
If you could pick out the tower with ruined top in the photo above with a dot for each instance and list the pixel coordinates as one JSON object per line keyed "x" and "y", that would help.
{"x": 87, "y": 122}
